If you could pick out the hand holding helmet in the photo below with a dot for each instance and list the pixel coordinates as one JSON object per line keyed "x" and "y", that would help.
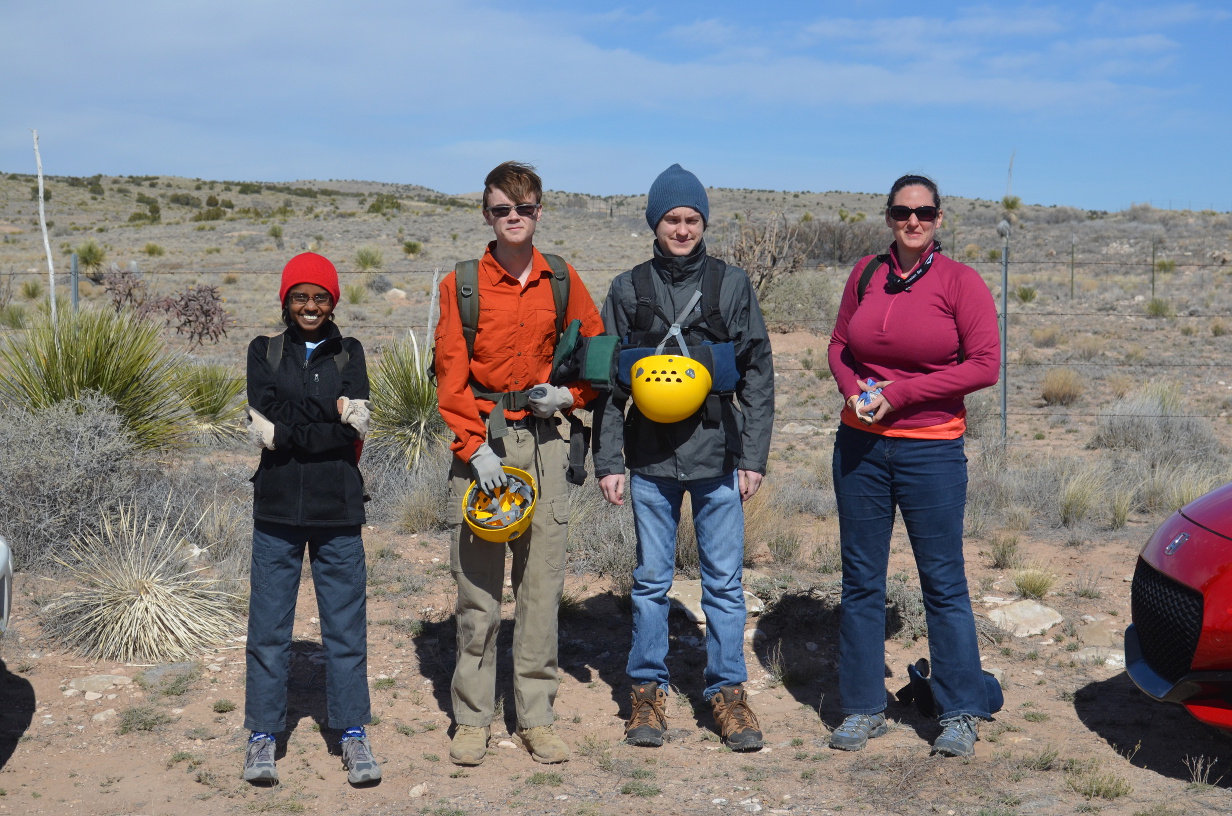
{"x": 260, "y": 430}
{"x": 486, "y": 466}
{"x": 356, "y": 413}
{"x": 502, "y": 514}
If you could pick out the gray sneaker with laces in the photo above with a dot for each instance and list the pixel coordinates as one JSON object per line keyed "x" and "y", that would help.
{"x": 857, "y": 730}
{"x": 357, "y": 758}
{"x": 259, "y": 761}
{"x": 958, "y": 736}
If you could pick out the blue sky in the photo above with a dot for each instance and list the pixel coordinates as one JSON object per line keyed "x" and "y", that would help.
{"x": 1103, "y": 104}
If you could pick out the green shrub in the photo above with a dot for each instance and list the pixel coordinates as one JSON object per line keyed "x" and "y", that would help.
{"x": 91, "y": 257}
{"x": 369, "y": 259}
{"x": 98, "y": 351}
{"x": 31, "y": 289}
{"x": 211, "y": 391}
{"x": 1024, "y": 293}
{"x": 142, "y": 718}
{"x": 412, "y": 248}
{"x": 1158, "y": 307}
{"x": 404, "y": 414}
{"x": 154, "y": 250}
{"x": 355, "y": 293}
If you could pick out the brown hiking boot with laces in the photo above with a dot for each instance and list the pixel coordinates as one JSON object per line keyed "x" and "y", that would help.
{"x": 737, "y": 722}
{"x": 648, "y": 721}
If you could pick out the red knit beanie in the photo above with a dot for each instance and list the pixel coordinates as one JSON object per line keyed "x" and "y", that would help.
{"x": 309, "y": 267}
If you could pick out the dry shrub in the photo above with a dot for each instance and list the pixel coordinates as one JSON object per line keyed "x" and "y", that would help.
{"x": 59, "y": 468}
{"x": 1004, "y": 551}
{"x": 1046, "y": 336}
{"x": 1151, "y": 423}
{"x": 1087, "y": 347}
{"x": 1034, "y": 582}
{"x": 139, "y": 596}
{"x": 602, "y": 540}
{"x": 1061, "y": 386}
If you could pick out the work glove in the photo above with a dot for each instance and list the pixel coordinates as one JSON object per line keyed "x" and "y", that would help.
{"x": 260, "y": 430}
{"x": 545, "y": 400}
{"x": 489, "y": 474}
{"x": 356, "y": 413}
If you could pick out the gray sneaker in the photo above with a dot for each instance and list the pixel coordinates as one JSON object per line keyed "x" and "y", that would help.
{"x": 958, "y": 736}
{"x": 357, "y": 758}
{"x": 259, "y": 761}
{"x": 857, "y": 730}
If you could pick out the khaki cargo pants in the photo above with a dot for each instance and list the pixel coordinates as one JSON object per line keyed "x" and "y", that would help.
{"x": 538, "y": 574}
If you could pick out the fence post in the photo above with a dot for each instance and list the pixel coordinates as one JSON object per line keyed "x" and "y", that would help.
{"x": 74, "y": 276}
{"x": 1004, "y": 230}
{"x": 1073, "y": 243}
{"x": 1152, "y": 269}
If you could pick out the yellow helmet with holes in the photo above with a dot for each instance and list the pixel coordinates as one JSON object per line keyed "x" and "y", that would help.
{"x": 505, "y": 514}
{"x": 669, "y": 387}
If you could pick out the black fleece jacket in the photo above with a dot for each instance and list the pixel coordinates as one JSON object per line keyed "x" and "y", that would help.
{"x": 312, "y": 477}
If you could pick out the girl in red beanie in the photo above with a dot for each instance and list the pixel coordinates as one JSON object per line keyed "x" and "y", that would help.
{"x": 308, "y": 407}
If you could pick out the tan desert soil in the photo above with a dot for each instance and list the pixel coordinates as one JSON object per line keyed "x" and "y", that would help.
{"x": 61, "y": 753}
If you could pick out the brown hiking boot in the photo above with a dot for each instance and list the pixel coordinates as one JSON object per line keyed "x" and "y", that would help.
{"x": 737, "y": 722}
{"x": 544, "y": 745}
{"x": 470, "y": 745}
{"x": 648, "y": 722}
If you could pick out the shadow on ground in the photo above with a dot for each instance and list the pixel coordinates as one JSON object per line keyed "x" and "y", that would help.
{"x": 1152, "y": 735}
{"x": 16, "y": 711}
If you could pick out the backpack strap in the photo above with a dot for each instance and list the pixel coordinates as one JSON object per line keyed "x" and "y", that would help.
{"x": 560, "y": 290}
{"x": 866, "y": 275}
{"x": 643, "y": 290}
{"x": 712, "y": 284}
{"x": 273, "y": 354}
{"x": 467, "y": 274}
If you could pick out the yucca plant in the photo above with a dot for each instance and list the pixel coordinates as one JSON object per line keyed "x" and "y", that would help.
{"x": 369, "y": 258}
{"x": 98, "y": 351}
{"x": 91, "y": 257}
{"x": 211, "y": 391}
{"x": 139, "y": 596}
{"x": 404, "y": 413}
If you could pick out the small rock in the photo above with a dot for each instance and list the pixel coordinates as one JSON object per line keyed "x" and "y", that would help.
{"x": 395, "y": 294}
{"x": 752, "y": 604}
{"x": 1106, "y": 633}
{"x": 1100, "y": 656}
{"x": 755, "y": 636}
{"x": 214, "y": 667}
{"x": 419, "y": 790}
{"x": 72, "y": 692}
{"x": 104, "y": 716}
{"x": 997, "y": 673}
{"x": 99, "y": 682}
{"x": 93, "y": 695}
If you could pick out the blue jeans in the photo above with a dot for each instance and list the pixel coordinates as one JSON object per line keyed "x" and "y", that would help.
{"x": 718, "y": 518}
{"x": 339, "y": 574}
{"x": 926, "y": 479}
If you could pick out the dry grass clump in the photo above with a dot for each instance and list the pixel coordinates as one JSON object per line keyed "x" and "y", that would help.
{"x": 1004, "y": 552}
{"x": 1081, "y": 489}
{"x": 139, "y": 598}
{"x": 1061, "y": 386}
{"x": 1151, "y": 422}
{"x": 602, "y": 539}
{"x": 1087, "y": 347}
{"x": 1033, "y": 582}
{"x": 1046, "y": 336}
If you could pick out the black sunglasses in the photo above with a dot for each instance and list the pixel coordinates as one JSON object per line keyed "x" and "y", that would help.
{"x": 503, "y": 210}
{"x": 301, "y": 298}
{"x": 900, "y": 213}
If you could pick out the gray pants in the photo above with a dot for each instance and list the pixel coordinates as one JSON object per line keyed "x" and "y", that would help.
{"x": 538, "y": 576}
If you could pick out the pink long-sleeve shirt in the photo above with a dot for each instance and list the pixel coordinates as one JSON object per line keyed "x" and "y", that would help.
{"x": 915, "y": 338}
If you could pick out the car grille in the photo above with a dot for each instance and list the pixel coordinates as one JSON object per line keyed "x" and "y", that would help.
{"x": 1168, "y": 617}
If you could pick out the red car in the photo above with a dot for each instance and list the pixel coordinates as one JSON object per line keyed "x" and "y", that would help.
{"x": 1179, "y": 647}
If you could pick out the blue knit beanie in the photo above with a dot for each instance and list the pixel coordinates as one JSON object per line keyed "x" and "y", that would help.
{"x": 675, "y": 187}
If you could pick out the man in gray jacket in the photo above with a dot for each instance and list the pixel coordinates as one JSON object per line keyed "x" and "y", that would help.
{"x": 717, "y": 454}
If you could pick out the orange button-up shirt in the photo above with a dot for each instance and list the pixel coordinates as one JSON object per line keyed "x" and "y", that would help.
{"x": 514, "y": 344}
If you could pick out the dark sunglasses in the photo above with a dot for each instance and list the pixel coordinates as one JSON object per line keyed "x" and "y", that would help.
{"x": 503, "y": 210}
{"x": 900, "y": 213}
{"x": 301, "y": 298}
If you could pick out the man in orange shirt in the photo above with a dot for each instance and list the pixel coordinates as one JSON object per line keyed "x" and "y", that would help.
{"x": 499, "y": 403}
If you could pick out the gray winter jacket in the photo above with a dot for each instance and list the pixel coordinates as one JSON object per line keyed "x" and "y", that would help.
{"x": 690, "y": 449}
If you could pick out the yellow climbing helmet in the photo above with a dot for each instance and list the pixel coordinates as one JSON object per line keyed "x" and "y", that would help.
{"x": 505, "y": 514}
{"x": 669, "y": 387}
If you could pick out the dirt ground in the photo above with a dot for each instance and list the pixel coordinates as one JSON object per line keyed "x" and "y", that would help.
{"x": 1074, "y": 736}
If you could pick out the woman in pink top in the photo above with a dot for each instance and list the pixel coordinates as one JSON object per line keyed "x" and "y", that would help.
{"x": 923, "y": 329}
